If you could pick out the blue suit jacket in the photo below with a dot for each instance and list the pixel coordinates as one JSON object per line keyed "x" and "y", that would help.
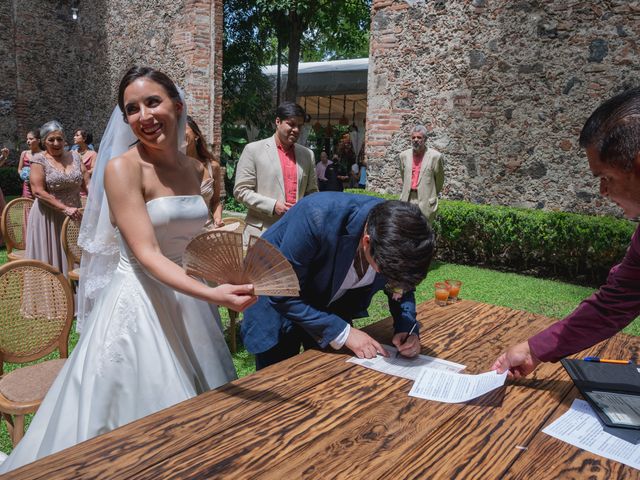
{"x": 320, "y": 236}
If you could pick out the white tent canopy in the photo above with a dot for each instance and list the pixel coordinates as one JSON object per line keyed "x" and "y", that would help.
{"x": 330, "y": 90}
{"x": 336, "y": 77}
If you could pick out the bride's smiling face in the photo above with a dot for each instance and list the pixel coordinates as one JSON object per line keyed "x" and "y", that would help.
{"x": 150, "y": 112}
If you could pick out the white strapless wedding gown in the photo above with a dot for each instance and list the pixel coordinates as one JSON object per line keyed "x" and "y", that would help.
{"x": 144, "y": 347}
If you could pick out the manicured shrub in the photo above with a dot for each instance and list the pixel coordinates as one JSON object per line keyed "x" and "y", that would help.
{"x": 568, "y": 246}
{"x": 232, "y": 205}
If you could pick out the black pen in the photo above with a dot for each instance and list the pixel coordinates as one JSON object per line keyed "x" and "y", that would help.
{"x": 409, "y": 334}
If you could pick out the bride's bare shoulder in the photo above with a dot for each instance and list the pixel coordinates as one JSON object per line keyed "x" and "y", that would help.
{"x": 127, "y": 164}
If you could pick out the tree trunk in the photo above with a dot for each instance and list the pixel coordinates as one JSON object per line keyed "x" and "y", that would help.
{"x": 296, "y": 24}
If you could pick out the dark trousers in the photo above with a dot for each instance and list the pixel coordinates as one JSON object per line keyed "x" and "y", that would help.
{"x": 287, "y": 347}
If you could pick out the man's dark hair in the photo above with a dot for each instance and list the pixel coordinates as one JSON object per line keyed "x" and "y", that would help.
{"x": 614, "y": 130}
{"x": 289, "y": 110}
{"x": 402, "y": 243}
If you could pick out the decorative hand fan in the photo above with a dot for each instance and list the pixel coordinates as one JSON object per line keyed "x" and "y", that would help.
{"x": 217, "y": 256}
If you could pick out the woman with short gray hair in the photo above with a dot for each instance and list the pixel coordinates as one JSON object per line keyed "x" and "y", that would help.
{"x": 56, "y": 178}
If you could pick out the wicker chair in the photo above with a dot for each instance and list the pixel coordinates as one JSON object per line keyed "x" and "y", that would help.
{"x": 36, "y": 312}
{"x": 233, "y": 315}
{"x": 69, "y": 239}
{"x": 14, "y": 227}
{"x": 231, "y": 220}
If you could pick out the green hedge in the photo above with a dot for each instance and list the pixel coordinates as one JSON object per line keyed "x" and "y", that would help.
{"x": 10, "y": 182}
{"x": 573, "y": 247}
{"x": 232, "y": 205}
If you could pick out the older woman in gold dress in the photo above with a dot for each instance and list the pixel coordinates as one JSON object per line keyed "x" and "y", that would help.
{"x": 56, "y": 179}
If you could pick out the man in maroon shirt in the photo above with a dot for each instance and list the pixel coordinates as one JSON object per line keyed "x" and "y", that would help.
{"x": 611, "y": 138}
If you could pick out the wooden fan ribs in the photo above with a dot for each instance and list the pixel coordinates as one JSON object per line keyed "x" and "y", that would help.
{"x": 217, "y": 256}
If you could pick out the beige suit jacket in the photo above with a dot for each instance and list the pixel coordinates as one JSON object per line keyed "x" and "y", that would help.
{"x": 260, "y": 183}
{"x": 430, "y": 180}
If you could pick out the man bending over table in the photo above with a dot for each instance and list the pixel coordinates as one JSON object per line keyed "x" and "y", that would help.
{"x": 344, "y": 248}
{"x": 611, "y": 138}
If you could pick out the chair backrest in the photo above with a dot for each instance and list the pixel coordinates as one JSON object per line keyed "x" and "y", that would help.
{"x": 14, "y": 223}
{"x": 240, "y": 221}
{"x": 36, "y": 311}
{"x": 69, "y": 239}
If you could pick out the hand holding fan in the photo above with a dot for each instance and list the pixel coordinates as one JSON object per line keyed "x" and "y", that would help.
{"x": 217, "y": 256}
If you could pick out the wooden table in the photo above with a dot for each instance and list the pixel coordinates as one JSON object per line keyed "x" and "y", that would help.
{"x": 317, "y": 417}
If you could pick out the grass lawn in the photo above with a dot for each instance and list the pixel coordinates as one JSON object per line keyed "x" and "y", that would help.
{"x": 546, "y": 297}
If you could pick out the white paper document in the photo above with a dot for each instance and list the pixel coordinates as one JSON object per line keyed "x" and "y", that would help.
{"x": 580, "y": 427}
{"x": 450, "y": 387}
{"x": 405, "y": 367}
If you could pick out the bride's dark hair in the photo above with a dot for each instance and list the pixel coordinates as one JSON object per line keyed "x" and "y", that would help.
{"x": 157, "y": 76}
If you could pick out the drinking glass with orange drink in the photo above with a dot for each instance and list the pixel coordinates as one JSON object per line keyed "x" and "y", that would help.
{"x": 442, "y": 293}
{"x": 454, "y": 289}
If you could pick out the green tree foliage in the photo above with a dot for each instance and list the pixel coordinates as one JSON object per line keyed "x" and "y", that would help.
{"x": 257, "y": 33}
{"x": 304, "y": 30}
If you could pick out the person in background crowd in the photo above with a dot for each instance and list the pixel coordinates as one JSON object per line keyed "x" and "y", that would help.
{"x": 335, "y": 176}
{"x": 321, "y": 168}
{"x": 354, "y": 175}
{"x": 611, "y": 139}
{"x": 4, "y": 154}
{"x": 56, "y": 179}
{"x": 362, "y": 174}
{"x": 82, "y": 139}
{"x": 422, "y": 171}
{"x": 24, "y": 165}
{"x": 212, "y": 181}
{"x": 273, "y": 174}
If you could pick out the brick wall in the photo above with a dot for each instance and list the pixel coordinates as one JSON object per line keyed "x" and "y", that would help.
{"x": 504, "y": 88}
{"x": 55, "y": 67}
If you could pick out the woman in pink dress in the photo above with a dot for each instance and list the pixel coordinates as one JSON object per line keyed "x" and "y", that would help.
{"x": 83, "y": 139}
{"x": 33, "y": 143}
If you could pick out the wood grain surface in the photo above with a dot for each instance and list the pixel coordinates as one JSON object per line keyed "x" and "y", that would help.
{"x": 316, "y": 416}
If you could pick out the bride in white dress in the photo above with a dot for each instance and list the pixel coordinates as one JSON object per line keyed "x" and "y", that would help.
{"x": 148, "y": 339}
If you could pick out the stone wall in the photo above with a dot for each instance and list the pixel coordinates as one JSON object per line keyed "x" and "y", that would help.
{"x": 504, "y": 88}
{"x": 8, "y": 76}
{"x": 68, "y": 69}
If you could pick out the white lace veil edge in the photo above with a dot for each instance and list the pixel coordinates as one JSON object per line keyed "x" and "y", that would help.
{"x": 97, "y": 236}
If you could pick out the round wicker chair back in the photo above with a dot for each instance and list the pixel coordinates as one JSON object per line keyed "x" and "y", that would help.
{"x": 238, "y": 220}
{"x": 70, "y": 232}
{"x": 36, "y": 311}
{"x": 14, "y": 223}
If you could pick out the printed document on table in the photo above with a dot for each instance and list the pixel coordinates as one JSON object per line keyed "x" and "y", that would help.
{"x": 450, "y": 387}
{"x": 405, "y": 367}
{"x": 580, "y": 427}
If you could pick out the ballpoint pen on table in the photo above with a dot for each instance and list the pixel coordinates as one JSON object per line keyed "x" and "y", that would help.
{"x": 606, "y": 360}
{"x": 408, "y": 335}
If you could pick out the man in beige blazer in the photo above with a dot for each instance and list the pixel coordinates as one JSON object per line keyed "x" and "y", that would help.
{"x": 274, "y": 173}
{"x": 422, "y": 171}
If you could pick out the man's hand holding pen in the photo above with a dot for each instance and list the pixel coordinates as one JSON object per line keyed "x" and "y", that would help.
{"x": 407, "y": 343}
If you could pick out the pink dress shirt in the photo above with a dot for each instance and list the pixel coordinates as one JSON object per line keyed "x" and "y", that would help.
{"x": 415, "y": 170}
{"x": 289, "y": 173}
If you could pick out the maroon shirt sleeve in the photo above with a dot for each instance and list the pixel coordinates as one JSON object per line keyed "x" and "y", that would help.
{"x": 602, "y": 315}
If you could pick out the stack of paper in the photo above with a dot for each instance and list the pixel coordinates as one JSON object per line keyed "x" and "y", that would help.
{"x": 435, "y": 379}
